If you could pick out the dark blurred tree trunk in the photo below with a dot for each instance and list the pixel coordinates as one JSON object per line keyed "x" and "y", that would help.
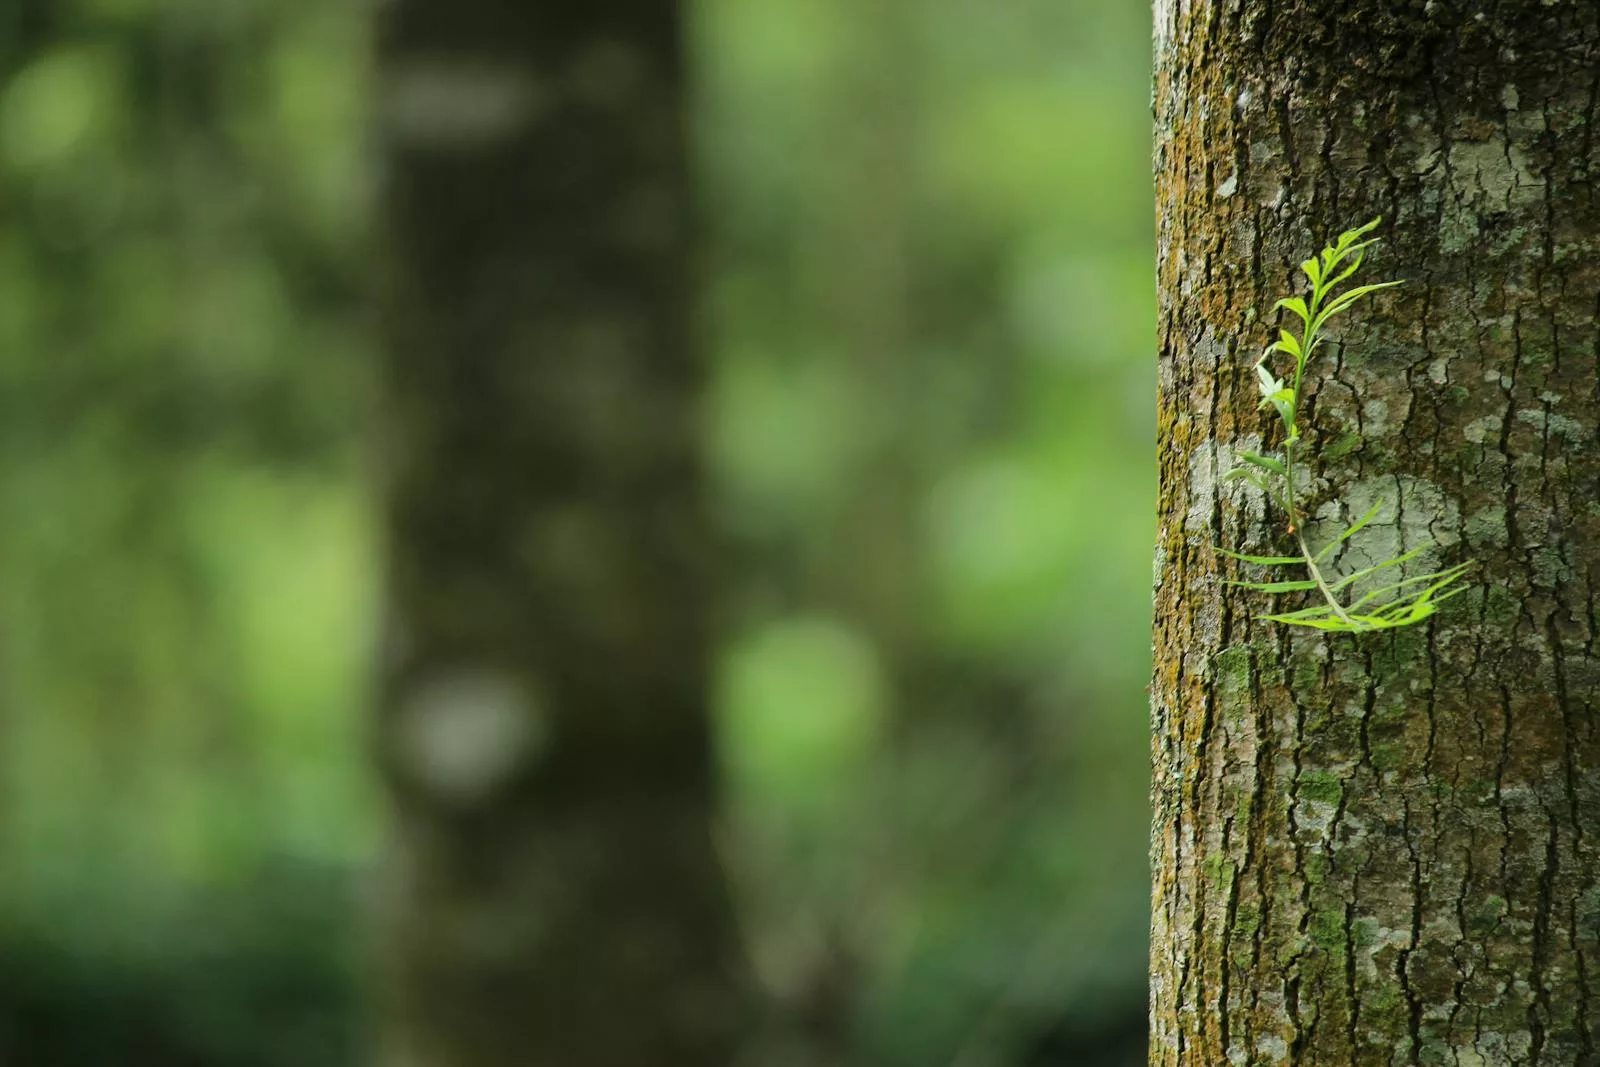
{"x": 871, "y": 559}
{"x": 556, "y": 898}
{"x": 1384, "y": 850}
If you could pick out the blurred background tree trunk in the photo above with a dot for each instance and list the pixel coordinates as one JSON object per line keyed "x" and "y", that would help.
{"x": 1381, "y": 850}
{"x": 556, "y": 897}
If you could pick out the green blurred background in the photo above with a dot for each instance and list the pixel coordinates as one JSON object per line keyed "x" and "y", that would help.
{"x": 929, "y": 304}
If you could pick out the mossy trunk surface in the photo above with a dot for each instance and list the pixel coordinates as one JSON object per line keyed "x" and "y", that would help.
{"x": 1384, "y": 849}
{"x": 553, "y": 897}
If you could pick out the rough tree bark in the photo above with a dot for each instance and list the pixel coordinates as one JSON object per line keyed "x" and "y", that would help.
{"x": 555, "y": 896}
{"x": 1382, "y": 850}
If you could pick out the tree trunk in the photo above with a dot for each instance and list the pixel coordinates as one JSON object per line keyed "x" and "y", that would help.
{"x": 555, "y": 897}
{"x": 1382, "y": 850}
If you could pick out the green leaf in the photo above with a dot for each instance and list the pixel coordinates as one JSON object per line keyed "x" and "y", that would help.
{"x": 1349, "y": 237}
{"x": 1296, "y": 305}
{"x": 1283, "y": 400}
{"x": 1319, "y": 611}
{"x": 1245, "y": 474}
{"x": 1356, "y": 576}
{"x": 1346, "y": 298}
{"x": 1317, "y": 624}
{"x": 1264, "y": 462}
{"x": 1349, "y": 532}
{"x": 1444, "y": 578}
{"x": 1295, "y": 586}
{"x": 1353, "y": 267}
{"x": 1269, "y": 384}
{"x": 1288, "y": 342}
{"x": 1317, "y": 618}
{"x": 1265, "y": 561}
{"x": 1333, "y": 624}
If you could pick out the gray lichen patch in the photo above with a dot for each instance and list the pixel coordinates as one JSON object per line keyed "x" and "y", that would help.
{"x": 1412, "y": 514}
{"x": 1487, "y": 526}
{"x": 1492, "y": 174}
{"x": 1484, "y": 429}
{"x": 1204, "y": 472}
{"x": 1553, "y": 425}
{"x": 1208, "y": 468}
{"x": 1375, "y": 417}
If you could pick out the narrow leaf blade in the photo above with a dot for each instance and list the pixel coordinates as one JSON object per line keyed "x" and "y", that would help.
{"x": 1265, "y": 561}
{"x": 1296, "y": 586}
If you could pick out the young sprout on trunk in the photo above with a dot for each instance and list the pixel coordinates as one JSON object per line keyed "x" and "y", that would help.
{"x": 1399, "y": 603}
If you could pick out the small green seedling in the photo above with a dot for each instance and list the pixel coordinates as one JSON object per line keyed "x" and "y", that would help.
{"x": 1401, "y": 603}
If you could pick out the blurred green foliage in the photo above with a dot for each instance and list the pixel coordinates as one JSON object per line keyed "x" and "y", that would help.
{"x": 933, "y": 314}
{"x": 928, "y": 299}
{"x": 186, "y": 561}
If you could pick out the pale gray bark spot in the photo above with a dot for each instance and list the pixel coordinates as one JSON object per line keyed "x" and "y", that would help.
{"x": 1273, "y": 1049}
{"x": 463, "y": 734}
{"x": 1250, "y": 502}
{"x": 1487, "y": 526}
{"x": 1203, "y": 475}
{"x": 1483, "y": 429}
{"x": 1375, "y": 418}
{"x": 451, "y": 105}
{"x": 1163, "y": 23}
